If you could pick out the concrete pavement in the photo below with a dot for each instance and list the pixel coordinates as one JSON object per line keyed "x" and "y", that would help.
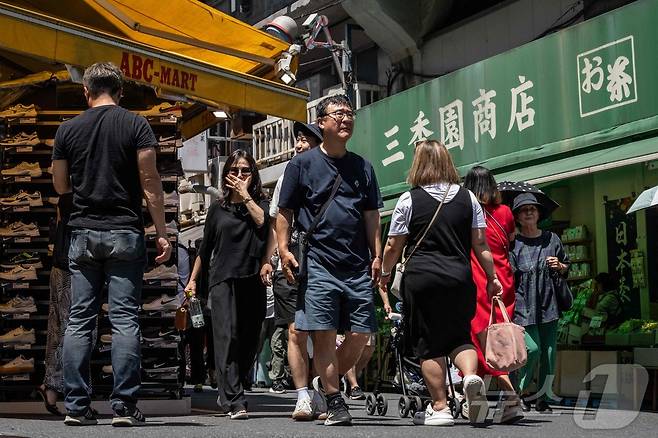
{"x": 270, "y": 417}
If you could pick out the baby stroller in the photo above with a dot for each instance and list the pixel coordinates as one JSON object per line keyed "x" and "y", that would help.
{"x": 408, "y": 380}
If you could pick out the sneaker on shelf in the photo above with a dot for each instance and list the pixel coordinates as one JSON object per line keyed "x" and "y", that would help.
{"x": 23, "y": 169}
{"x": 19, "y": 229}
{"x": 162, "y": 272}
{"x": 18, "y": 336}
{"x": 50, "y": 142}
{"x": 170, "y": 168}
{"x": 106, "y": 338}
{"x": 164, "y": 303}
{"x": 19, "y": 304}
{"x": 338, "y": 413}
{"x": 19, "y": 110}
{"x": 430, "y": 417}
{"x": 170, "y": 140}
{"x": 155, "y": 334}
{"x": 171, "y": 228}
{"x": 107, "y": 369}
{"x": 124, "y": 417}
{"x": 356, "y": 393}
{"x": 163, "y": 109}
{"x": 21, "y": 139}
{"x": 303, "y": 410}
{"x": 198, "y": 387}
{"x": 171, "y": 199}
{"x": 476, "y": 399}
{"x": 240, "y": 414}
{"x": 22, "y": 199}
{"x": 160, "y": 366}
{"x": 278, "y": 387}
{"x": 19, "y": 365}
{"x": 88, "y": 418}
{"x": 19, "y": 273}
{"x": 25, "y": 259}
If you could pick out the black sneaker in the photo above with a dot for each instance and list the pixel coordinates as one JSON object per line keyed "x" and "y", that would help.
{"x": 356, "y": 393}
{"x": 86, "y": 419}
{"x": 278, "y": 387}
{"x": 124, "y": 417}
{"x": 338, "y": 413}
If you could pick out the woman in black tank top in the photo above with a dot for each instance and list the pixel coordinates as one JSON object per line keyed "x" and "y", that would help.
{"x": 437, "y": 288}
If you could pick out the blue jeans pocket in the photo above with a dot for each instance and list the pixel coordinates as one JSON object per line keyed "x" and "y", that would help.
{"x": 127, "y": 245}
{"x": 78, "y": 248}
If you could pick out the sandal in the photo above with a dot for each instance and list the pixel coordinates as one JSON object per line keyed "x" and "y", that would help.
{"x": 52, "y": 408}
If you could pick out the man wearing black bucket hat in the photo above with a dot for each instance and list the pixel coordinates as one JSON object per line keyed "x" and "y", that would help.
{"x": 540, "y": 265}
{"x": 307, "y": 136}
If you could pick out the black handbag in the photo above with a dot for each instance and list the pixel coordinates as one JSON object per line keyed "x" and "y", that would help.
{"x": 302, "y": 236}
{"x": 563, "y": 293}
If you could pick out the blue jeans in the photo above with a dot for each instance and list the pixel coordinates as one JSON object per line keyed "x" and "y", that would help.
{"x": 117, "y": 258}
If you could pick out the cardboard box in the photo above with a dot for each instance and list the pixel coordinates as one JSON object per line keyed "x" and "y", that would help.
{"x": 598, "y": 384}
{"x": 574, "y": 366}
{"x": 647, "y": 357}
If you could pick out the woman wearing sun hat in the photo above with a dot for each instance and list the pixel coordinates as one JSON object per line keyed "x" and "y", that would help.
{"x": 536, "y": 257}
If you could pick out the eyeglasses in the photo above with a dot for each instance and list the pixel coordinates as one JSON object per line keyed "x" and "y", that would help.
{"x": 340, "y": 115}
{"x": 246, "y": 171}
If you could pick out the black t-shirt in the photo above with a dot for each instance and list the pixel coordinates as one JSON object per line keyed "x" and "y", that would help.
{"x": 339, "y": 241}
{"x": 232, "y": 244}
{"x": 101, "y": 147}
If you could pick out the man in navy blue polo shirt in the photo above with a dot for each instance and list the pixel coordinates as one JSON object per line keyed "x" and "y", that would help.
{"x": 344, "y": 255}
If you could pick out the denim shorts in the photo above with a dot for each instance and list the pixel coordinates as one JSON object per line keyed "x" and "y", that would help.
{"x": 341, "y": 301}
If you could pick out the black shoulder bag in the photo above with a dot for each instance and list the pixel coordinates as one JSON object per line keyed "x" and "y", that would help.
{"x": 302, "y": 236}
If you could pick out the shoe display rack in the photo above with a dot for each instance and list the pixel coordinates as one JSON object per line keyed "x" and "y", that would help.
{"x": 28, "y": 213}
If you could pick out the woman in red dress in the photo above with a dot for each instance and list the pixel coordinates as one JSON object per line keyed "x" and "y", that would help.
{"x": 500, "y": 233}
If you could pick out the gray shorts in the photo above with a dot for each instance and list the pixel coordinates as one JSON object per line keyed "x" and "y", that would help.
{"x": 342, "y": 302}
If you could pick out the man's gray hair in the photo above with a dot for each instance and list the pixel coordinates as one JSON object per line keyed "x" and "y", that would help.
{"x": 103, "y": 77}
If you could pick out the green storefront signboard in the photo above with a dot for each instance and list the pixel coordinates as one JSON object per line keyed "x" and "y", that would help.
{"x": 537, "y": 101}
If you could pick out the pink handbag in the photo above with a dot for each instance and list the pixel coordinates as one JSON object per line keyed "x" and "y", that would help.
{"x": 503, "y": 343}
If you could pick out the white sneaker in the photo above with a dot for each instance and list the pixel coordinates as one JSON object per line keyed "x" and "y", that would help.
{"x": 303, "y": 410}
{"x": 430, "y": 417}
{"x": 476, "y": 399}
{"x": 171, "y": 199}
{"x": 162, "y": 272}
{"x": 171, "y": 229}
{"x": 18, "y": 336}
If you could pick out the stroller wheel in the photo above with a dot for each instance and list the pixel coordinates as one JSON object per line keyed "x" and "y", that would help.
{"x": 404, "y": 406}
{"x": 419, "y": 405}
{"x": 462, "y": 409}
{"x": 371, "y": 404}
{"x": 382, "y": 405}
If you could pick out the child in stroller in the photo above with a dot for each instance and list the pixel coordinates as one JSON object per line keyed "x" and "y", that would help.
{"x": 408, "y": 380}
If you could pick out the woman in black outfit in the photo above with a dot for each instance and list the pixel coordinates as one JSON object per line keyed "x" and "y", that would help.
{"x": 233, "y": 244}
{"x": 437, "y": 288}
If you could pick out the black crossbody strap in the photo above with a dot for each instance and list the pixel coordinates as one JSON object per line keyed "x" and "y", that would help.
{"x": 316, "y": 219}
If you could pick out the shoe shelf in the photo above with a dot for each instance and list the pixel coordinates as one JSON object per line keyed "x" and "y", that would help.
{"x": 40, "y": 131}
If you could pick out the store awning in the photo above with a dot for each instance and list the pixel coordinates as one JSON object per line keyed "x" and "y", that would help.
{"x": 181, "y": 48}
{"x": 617, "y": 156}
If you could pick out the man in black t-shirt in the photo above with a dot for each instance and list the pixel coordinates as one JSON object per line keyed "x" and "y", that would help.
{"x": 344, "y": 255}
{"x": 106, "y": 158}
